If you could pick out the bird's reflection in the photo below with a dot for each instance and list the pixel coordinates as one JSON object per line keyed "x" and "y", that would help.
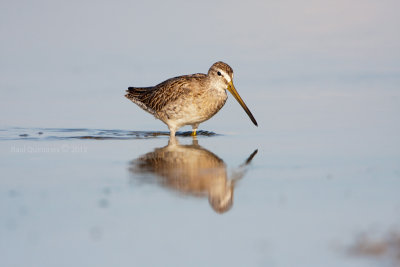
{"x": 191, "y": 170}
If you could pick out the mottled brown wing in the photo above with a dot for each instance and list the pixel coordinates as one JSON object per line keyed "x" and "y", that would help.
{"x": 141, "y": 97}
{"x": 153, "y": 99}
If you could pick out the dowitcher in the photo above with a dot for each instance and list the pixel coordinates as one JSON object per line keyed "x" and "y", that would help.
{"x": 191, "y": 170}
{"x": 189, "y": 99}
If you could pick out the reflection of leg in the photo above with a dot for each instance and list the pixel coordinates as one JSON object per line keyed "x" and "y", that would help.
{"x": 195, "y": 142}
{"x": 172, "y": 141}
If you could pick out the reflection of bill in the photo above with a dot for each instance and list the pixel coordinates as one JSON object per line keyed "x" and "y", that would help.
{"x": 192, "y": 170}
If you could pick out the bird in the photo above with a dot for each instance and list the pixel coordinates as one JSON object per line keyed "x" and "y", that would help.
{"x": 191, "y": 170}
{"x": 188, "y": 99}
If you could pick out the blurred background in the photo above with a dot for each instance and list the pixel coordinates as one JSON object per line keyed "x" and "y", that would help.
{"x": 322, "y": 78}
{"x": 67, "y": 64}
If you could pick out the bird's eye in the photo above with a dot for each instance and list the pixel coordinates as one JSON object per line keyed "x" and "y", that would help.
{"x": 219, "y": 73}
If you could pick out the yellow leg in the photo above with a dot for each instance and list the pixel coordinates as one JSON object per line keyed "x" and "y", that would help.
{"x": 194, "y": 128}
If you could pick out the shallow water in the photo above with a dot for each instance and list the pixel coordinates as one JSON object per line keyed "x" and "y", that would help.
{"x": 52, "y": 134}
{"x": 87, "y": 178}
{"x": 116, "y": 196}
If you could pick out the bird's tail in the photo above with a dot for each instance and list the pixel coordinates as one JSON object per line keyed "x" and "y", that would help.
{"x": 141, "y": 96}
{"x": 137, "y": 92}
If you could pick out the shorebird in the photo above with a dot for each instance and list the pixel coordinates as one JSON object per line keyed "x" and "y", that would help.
{"x": 189, "y": 99}
{"x": 191, "y": 170}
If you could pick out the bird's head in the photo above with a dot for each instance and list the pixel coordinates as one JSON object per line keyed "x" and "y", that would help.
{"x": 221, "y": 74}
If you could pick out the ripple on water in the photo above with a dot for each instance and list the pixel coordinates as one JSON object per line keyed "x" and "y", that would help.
{"x": 49, "y": 134}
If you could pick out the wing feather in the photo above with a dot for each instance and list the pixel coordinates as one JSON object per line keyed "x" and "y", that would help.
{"x": 154, "y": 99}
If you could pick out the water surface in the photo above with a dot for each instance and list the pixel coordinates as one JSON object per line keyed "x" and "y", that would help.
{"x": 87, "y": 178}
{"x": 143, "y": 199}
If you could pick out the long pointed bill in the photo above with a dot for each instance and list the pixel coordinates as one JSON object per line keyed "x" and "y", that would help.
{"x": 231, "y": 88}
